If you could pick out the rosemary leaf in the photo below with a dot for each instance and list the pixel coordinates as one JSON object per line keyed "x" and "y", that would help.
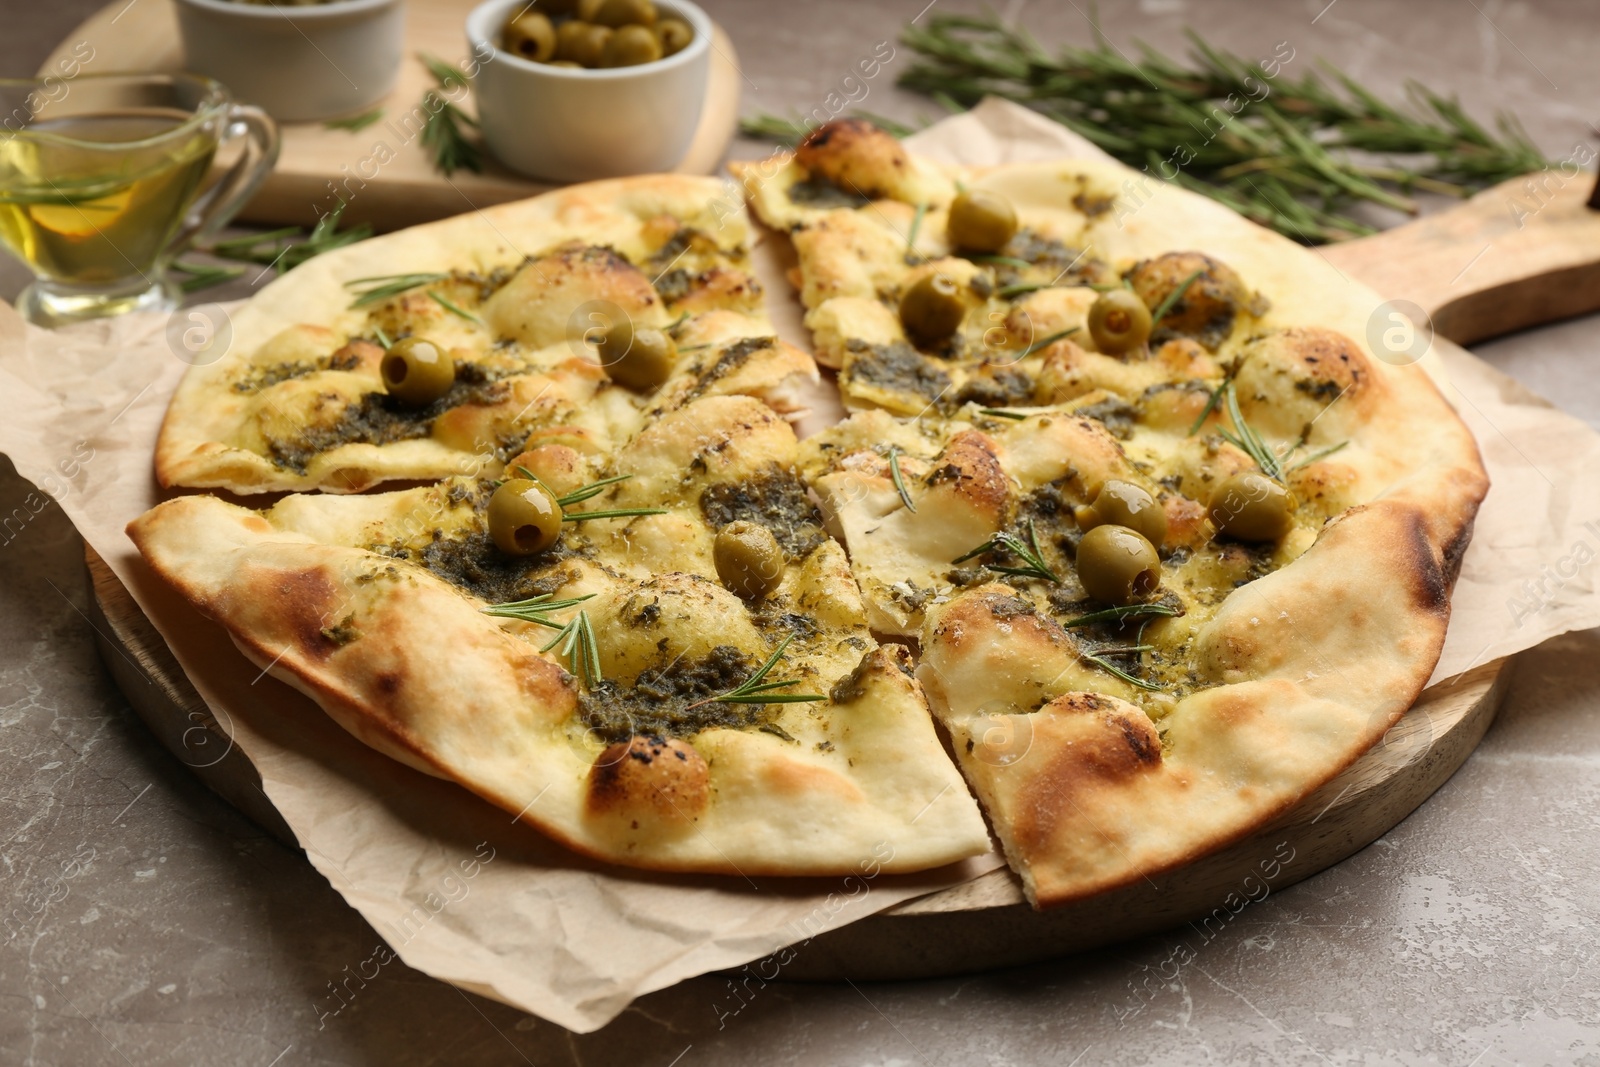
{"x": 1111, "y": 668}
{"x": 454, "y": 309}
{"x": 536, "y": 609}
{"x": 916, "y": 225}
{"x": 899, "y": 482}
{"x": 1034, "y": 565}
{"x": 387, "y": 286}
{"x": 754, "y": 691}
{"x": 205, "y": 275}
{"x": 1321, "y": 453}
{"x": 444, "y": 135}
{"x": 1127, "y": 611}
{"x": 998, "y": 413}
{"x": 619, "y": 513}
{"x": 1172, "y": 298}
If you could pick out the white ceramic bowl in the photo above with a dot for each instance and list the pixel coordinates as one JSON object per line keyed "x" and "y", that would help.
{"x": 298, "y": 64}
{"x": 569, "y": 125}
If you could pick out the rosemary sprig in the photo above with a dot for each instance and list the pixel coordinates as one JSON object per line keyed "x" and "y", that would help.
{"x": 1047, "y": 342}
{"x": 1172, "y": 298}
{"x": 381, "y": 337}
{"x": 1211, "y": 405}
{"x": 1099, "y": 660}
{"x": 444, "y": 131}
{"x": 579, "y": 648}
{"x": 582, "y": 493}
{"x": 1005, "y": 292}
{"x": 754, "y": 691}
{"x": 1245, "y": 437}
{"x": 454, "y": 309}
{"x": 204, "y": 275}
{"x": 291, "y": 246}
{"x": 355, "y": 123}
{"x": 999, "y": 413}
{"x": 1034, "y": 565}
{"x": 1127, "y": 611}
{"x": 377, "y": 289}
{"x": 1321, "y": 453}
{"x": 536, "y": 609}
{"x": 1001, "y": 261}
{"x": 1297, "y": 157}
{"x": 899, "y": 482}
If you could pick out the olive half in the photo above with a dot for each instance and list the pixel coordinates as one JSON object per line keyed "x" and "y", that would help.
{"x": 981, "y": 221}
{"x": 1120, "y": 503}
{"x": 748, "y": 558}
{"x": 1118, "y": 321}
{"x": 416, "y": 372}
{"x": 1252, "y": 507}
{"x": 932, "y": 309}
{"x": 531, "y": 36}
{"x": 637, "y": 358}
{"x": 1117, "y": 565}
{"x": 524, "y": 517}
{"x": 630, "y": 46}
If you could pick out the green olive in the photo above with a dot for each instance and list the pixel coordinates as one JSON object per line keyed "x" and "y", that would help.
{"x": 1252, "y": 507}
{"x": 530, "y": 36}
{"x": 557, "y": 7}
{"x": 1119, "y": 321}
{"x": 583, "y": 46}
{"x": 674, "y": 35}
{"x": 1117, "y": 565}
{"x": 748, "y": 559}
{"x": 640, "y": 358}
{"x": 618, "y": 13}
{"x": 588, "y": 9}
{"x": 981, "y": 221}
{"x": 524, "y": 517}
{"x": 417, "y": 372}
{"x": 1120, "y": 503}
{"x": 932, "y": 309}
{"x": 630, "y": 46}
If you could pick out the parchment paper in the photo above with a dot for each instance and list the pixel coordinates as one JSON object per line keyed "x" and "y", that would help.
{"x": 457, "y": 889}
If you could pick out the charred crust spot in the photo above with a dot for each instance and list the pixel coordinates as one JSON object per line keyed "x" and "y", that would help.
{"x": 649, "y": 775}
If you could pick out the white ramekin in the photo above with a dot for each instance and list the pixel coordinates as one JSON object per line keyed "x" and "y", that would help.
{"x": 565, "y": 124}
{"x": 302, "y": 63}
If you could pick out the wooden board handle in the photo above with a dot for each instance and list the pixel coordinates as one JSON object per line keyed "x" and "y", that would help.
{"x": 1522, "y": 253}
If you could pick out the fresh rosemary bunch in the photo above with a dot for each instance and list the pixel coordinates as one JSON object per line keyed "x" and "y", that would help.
{"x": 1295, "y": 154}
{"x": 1282, "y": 158}
{"x": 283, "y": 249}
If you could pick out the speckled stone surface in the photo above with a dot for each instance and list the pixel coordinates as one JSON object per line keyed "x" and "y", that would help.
{"x": 144, "y": 922}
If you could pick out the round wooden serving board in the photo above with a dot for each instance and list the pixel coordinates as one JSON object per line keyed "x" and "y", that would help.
{"x": 983, "y": 923}
{"x": 315, "y": 160}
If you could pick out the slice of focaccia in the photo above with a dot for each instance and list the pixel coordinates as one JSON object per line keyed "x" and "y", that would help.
{"x": 1166, "y": 578}
{"x": 596, "y": 706}
{"x": 518, "y": 296}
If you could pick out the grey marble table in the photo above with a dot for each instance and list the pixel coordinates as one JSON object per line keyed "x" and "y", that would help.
{"x": 143, "y": 922}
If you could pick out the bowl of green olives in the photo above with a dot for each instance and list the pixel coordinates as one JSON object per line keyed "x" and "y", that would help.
{"x": 297, "y": 61}
{"x": 574, "y": 90}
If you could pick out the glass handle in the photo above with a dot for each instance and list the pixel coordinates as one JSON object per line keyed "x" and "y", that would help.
{"x": 223, "y": 200}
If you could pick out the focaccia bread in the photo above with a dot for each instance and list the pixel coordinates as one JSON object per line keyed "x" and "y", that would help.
{"x": 517, "y": 294}
{"x": 1140, "y": 519}
{"x": 1302, "y": 506}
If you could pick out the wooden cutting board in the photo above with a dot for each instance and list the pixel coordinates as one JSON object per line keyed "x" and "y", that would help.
{"x": 314, "y": 160}
{"x": 1470, "y": 273}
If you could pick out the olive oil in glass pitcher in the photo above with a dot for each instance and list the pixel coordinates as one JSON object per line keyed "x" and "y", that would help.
{"x": 101, "y": 186}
